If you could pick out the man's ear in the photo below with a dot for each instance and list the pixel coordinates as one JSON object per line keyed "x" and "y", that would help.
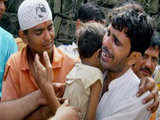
{"x": 134, "y": 57}
{"x": 23, "y": 36}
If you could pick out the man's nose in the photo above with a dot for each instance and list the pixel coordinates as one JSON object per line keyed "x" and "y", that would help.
{"x": 107, "y": 41}
{"x": 149, "y": 63}
{"x": 47, "y": 36}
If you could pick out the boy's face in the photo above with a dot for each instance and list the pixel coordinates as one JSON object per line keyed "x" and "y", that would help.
{"x": 41, "y": 37}
{"x": 2, "y": 8}
{"x": 115, "y": 50}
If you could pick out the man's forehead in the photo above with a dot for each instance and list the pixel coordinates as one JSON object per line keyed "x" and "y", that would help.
{"x": 152, "y": 49}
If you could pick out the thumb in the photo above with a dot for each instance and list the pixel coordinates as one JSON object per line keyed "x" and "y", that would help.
{"x": 66, "y": 103}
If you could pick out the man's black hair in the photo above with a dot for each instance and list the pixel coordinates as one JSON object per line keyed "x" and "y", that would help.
{"x": 89, "y": 12}
{"x": 137, "y": 26}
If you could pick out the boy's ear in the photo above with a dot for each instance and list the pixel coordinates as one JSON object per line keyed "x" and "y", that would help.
{"x": 99, "y": 53}
{"x": 134, "y": 57}
{"x": 23, "y": 36}
{"x": 78, "y": 24}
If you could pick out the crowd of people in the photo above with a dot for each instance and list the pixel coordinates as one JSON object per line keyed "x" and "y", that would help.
{"x": 108, "y": 74}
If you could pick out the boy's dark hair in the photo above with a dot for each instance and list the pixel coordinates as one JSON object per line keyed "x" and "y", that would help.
{"x": 89, "y": 12}
{"x": 137, "y": 26}
{"x": 89, "y": 38}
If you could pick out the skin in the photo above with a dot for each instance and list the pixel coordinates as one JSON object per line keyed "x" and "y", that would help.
{"x": 148, "y": 63}
{"x": 112, "y": 59}
{"x": 2, "y": 8}
{"x": 39, "y": 39}
{"x": 12, "y": 110}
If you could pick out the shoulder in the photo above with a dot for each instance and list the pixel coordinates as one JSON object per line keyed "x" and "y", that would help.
{"x": 87, "y": 74}
{"x": 5, "y": 33}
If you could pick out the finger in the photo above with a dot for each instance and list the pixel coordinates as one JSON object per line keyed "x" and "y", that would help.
{"x": 148, "y": 98}
{"x": 147, "y": 86}
{"x": 61, "y": 100}
{"x": 153, "y": 107}
{"x": 47, "y": 60}
{"x": 58, "y": 85}
{"x": 38, "y": 63}
{"x": 142, "y": 82}
{"x": 58, "y": 94}
{"x": 141, "y": 90}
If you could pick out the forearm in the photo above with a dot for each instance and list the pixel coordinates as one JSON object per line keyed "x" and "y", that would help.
{"x": 93, "y": 101}
{"x": 43, "y": 113}
{"x": 18, "y": 109}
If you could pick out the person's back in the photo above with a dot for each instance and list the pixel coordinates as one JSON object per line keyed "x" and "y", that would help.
{"x": 85, "y": 80}
{"x": 7, "y": 47}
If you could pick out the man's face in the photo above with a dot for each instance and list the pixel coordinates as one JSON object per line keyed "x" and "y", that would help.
{"x": 115, "y": 50}
{"x": 148, "y": 62}
{"x": 2, "y": 8}
{"x": 41, "y": 37}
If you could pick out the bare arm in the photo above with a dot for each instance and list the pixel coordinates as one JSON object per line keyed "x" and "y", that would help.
{"x": 19, "y": 108}
{"x": 94, "y": 99}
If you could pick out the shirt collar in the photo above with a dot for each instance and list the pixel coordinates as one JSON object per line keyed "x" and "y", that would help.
{"x": 57, "y": 59}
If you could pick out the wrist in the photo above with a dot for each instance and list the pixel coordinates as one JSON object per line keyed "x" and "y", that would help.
{"x": 40, "y": 100}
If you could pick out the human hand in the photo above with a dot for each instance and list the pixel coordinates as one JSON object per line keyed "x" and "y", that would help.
{"x": 66, "y": 112}
{"x": 149, "y": 84}
{"x": 43, "y": 74}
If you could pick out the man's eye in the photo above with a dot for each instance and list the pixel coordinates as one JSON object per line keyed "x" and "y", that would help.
{"x": 116, "y": 41}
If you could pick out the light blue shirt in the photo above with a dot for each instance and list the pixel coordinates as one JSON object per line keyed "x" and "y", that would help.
{"x": 8, "y": 46}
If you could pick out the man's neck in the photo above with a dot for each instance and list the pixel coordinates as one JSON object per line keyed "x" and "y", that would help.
{"x": 114, "y": 75}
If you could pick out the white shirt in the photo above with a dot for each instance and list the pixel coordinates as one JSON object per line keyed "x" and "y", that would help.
{"x": 120, "y": 101}
{"x": 70, "y": 50}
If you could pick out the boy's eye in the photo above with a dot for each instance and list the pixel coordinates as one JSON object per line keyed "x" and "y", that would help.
{"x": 38, "y": 32}
{"x": 50, "y": 28}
